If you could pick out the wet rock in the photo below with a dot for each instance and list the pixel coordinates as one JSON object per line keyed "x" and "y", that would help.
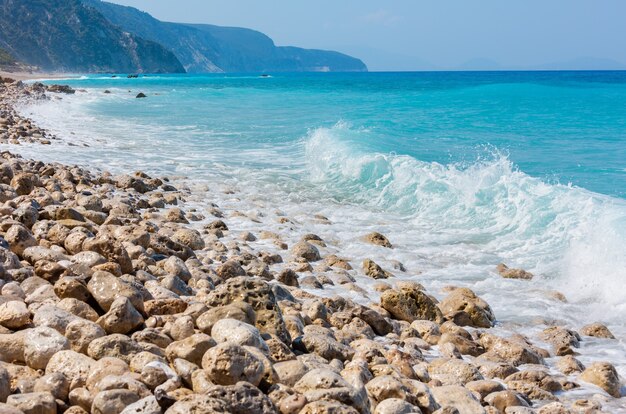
{"x": 569, "y": 365}
{"x": 410, "y": 304}
{"x": 534, "y": 383}
{"x": 484, "y": 387}
{"x": 553, "y": 408}
{"x": 603, "y": 375}
{"x": 227, "y": 364}
{"x": 335, "y": 261}
{"x": 502, "y": 400}
{"x": 464, "y": 345}
{"x": 586, "y": 406}
{"x": 373, "y": 270}
{"x": 288, "y": 277}
{"x": 230, "y": 269}
{"x": 597, "y": 330}
{"x": 378, "y": 239}
{"x": 306, "y": 251}
{"x": 509, "y": 273}
{"x": 562, "y": 339}
{"x": 66, "y": 89}
{"x": 478, "y": 312}
{"x": 505, "y": 350}
{"x": 190, "y": 238}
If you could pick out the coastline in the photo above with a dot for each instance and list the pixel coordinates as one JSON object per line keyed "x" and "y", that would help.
{"x": 29, "y": 76}
{"x": 403, "y": 342}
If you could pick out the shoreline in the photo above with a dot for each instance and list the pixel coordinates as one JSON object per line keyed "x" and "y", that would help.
{"x": 31, "y": 76}
{"x": 408, "y": 346}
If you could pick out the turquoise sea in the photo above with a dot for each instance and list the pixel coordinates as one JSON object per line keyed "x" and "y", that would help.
{"x": 461, "y": 170}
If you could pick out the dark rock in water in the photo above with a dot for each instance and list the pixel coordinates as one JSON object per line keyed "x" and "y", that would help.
{"x": 107, "y": 91}
{"x": 132, "y": 76}
{"x": 61, "y": 89}
{"x": 141, "y": 95}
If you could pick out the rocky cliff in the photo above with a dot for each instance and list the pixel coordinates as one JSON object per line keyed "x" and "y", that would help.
{"x": 66, "y": 35}
{"x": 209, "y": 48}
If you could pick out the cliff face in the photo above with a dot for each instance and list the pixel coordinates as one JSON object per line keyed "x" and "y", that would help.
{"x": 208, "y": 48}
{"x": 65, "y": 35}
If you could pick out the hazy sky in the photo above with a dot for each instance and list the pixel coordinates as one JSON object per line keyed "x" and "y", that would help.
{"x": 424, "y": 34}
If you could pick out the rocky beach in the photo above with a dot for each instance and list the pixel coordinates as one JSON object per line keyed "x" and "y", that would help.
{"x": 134, "y": 294}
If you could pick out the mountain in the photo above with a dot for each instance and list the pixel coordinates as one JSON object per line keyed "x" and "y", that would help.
{"x": 67, "y": 36}
{"x": 208, "y": 48}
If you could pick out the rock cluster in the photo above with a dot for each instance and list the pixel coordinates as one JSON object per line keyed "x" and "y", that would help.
{"x": 114, "y": 301}
{"x": 15, "y": 129}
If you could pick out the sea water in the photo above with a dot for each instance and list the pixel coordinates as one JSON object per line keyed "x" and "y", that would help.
{"x": 461, "y": 171}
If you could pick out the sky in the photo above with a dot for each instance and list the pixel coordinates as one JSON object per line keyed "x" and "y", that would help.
{"x": 428, "y": 34}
